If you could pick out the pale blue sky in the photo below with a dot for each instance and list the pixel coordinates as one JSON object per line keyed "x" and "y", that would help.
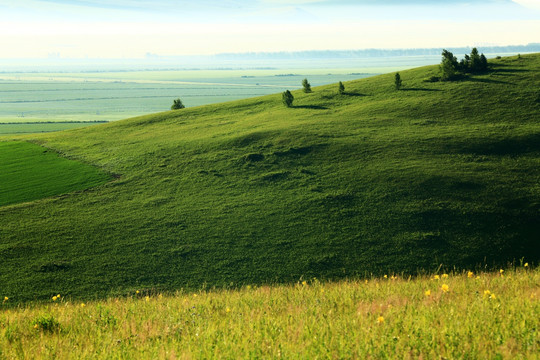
{"x": 132, "y": 28}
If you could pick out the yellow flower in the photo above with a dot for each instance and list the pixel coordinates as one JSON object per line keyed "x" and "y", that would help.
{"x": 445, "y": 288}
{"x": 248, "y": 287}
{"x": 36, "y": 326}
{"x": 58, "y": 296}
{"x": 194, "y": 295}
{"x": 83, "y": 305}
{"x": 436, "y": 277}
{"x": 386, "y": 276}
{"x": 501, "y": 271}
{"x": 478, "y": 277}
{"x": 304, "y": 282}
{"x": 444, "y": 276}
{"x": 228, "y": 310}
{"x": 492, "y": 296}
{"x": 526, "y": 265}
{"x": 487, "y": 293}
{"x": 147, "y": 298}
{"x": 54, "y": 298}
{"x": 380, "y": 320}
{"x": 137, "y": 292}
{"x": 6, "y": 298}
{"x": 366, "y": 281}
{"x": 470, "y": 274}
{"x": 427, "y": 293}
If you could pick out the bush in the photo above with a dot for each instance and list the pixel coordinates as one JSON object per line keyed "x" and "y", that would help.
{"x": 306, "y": 85}
{"x": 397, "y": 81}
{"x": 287, "y": 98}
{"x": 341, "y": 88}
{"x": 46, "y": 323}
{"x": 177, "y": 104}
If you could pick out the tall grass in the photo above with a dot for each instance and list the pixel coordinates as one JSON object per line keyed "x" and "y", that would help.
{"x": 450, "y": 316}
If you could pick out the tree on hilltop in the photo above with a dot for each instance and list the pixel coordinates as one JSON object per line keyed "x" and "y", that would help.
{"x": 306, "y": 85}
{"x": 287, "y": 98}
{"x": 449, "y": 66}
{"x": 341, "y": 88}
{"x": 177, "y": 104}
{"x": 397, "y": 81}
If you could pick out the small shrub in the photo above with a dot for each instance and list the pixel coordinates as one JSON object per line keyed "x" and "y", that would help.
{"x": 306, "y": 85}
{"x": 46, "y": 323}
{"x": 498, "y": 58}
{"x": 397, "y": 81}
{"x": 177, "y": 105}
{"x": 341, "y": 88}
{"x": 287, "y": 98}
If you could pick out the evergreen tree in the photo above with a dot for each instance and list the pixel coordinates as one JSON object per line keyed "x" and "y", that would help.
{"x": 475, "y": 65}
{"x": 397, "y": 81}
{"x": 483, "y": 63}
{"x": 287, "y": 98}
{"x": 177, "y": 104}
{"x": 341, "y": 88}
{"x": 306, "y": 85}
{"x": 449, "y": 66}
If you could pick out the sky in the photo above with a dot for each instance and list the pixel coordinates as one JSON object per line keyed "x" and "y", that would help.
{"x": 136, "y": 28}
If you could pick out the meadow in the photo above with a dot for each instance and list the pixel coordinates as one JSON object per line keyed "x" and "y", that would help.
{"x": 370, "y": 182}
{"x": 463, "y": 315}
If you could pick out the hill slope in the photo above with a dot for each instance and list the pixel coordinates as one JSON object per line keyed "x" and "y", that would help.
{"x": 253, "y": 192}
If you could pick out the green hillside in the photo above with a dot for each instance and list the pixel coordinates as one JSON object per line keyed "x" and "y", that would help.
{"x": 249, "y": 192}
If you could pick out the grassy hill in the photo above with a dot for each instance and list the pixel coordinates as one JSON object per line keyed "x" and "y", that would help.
{"x": 251, "y": 192}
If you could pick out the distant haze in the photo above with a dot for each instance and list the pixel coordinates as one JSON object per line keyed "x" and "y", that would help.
{"x": 134, "y": 28}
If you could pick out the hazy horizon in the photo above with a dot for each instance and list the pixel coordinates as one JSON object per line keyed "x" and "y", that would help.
{"x": 77, "y": 29}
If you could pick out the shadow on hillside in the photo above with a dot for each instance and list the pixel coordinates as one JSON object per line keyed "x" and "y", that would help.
{"x": 312, "y": 107}
{"x": 419, "y": 89}
{"x": 353, "y": 94}
{"x": 486, "y": 81}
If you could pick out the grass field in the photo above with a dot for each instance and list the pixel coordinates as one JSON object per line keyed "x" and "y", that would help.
{"x": 451, "y": 316}
{"x": 40, "y": 127}
{"x": 29, "y": 172}
{"x": 251, "y": 192}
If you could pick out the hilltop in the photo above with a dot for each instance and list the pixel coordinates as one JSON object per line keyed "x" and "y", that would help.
{"x": 251, "y": 192}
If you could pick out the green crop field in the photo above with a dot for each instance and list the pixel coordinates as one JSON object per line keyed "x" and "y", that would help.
{"x": 372, "y": 181}
{"x": 29, "y": 172}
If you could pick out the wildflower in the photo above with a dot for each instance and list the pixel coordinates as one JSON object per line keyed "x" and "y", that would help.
{"x": 477, "y": 277}
{"x": 501, "y": 271}
{"x": 427, "y": 293}
{"x": 436, "y": 277}
{"x": 526, "y": 264}
{"x": 304, "y": 282}
{"x": 194, "y": 295}
{"x": 147, "y": 298}
{"x": 380, "y": 320}
{"x": 444, "y": 276}
{"x": 445, "y": 288}
{"x": 36, "y": 326}
{"x": 386, "y": 276}
{"x": 366, "y": 281}
{"x": 248, "y": 287}
{"x": 6, "y": 298}
{"x": 54, "y": 298}
{"x": 487, "y": 293}
{"x": 137, "y": 292}
{"x": 58, "y": 296}
{"x": 83, "y": 305}
{"x": 228, "y": 310}
{"x": 492, "y": 296}
{"x": 470, "y": 274}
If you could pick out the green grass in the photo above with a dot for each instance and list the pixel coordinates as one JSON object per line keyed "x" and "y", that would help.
{"x": 486, "y": 316}
{"x": 39, "y": 127}
{"x": 252, "y": 192}
{"x": 29, "y": 172}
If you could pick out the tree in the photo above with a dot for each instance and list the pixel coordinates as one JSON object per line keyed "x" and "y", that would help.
{"x": 449, "y": 66}
{"x": 177, "y": 104}
{"x": 475, "y": 64}
{"x": 483, "y": 63}
{"x": 287, "y": 98}
{"x": 341, "y": 88}
{"x": 306, "y": 85}
{"x": 397, "y": 81}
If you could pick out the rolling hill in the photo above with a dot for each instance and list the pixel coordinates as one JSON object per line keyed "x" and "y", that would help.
{"x": 251, "y": 192}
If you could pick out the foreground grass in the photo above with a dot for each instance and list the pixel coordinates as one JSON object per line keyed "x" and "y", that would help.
{"x": 472, "y": 316}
